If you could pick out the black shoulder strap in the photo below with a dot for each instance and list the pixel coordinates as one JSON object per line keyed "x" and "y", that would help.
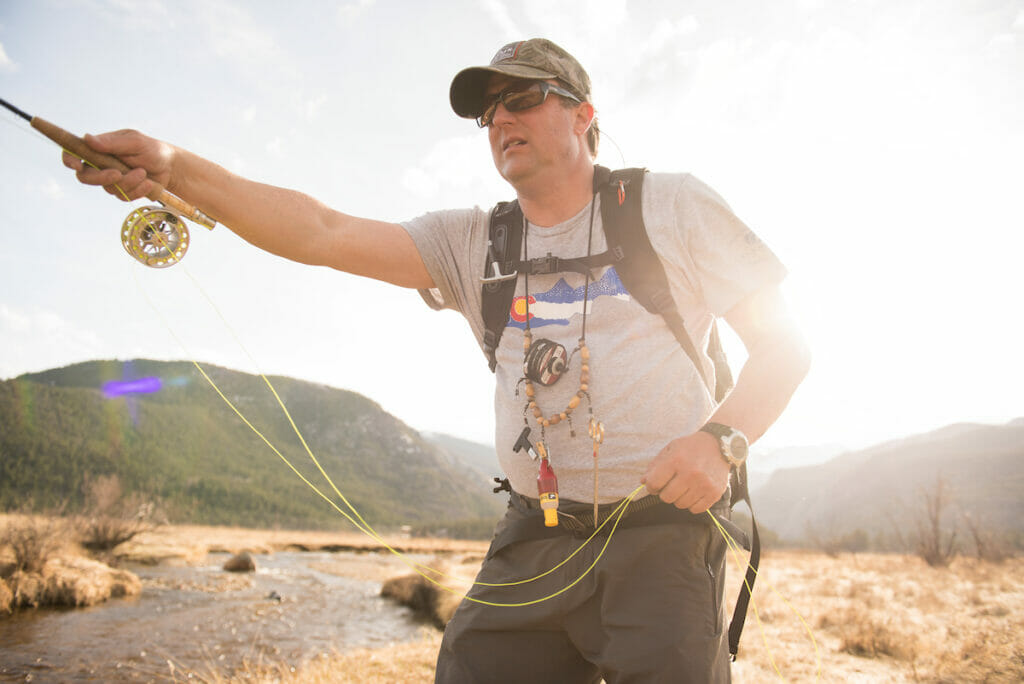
{"x": 505, "y": 239}
{"x": 644, "y": 277}
{"x": 641, "y": 272}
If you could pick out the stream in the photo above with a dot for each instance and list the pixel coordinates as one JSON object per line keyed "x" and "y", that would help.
{"x": 295, "y": 607}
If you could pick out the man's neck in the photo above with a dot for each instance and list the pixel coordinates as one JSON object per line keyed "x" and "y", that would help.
{"x": 548, "y": 202}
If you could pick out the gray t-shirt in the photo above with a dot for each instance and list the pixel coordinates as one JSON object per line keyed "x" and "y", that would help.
{"x": 643, "y": 386}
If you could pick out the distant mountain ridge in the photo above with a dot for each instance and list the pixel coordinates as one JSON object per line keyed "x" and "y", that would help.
{"x": 185, "y": 446}
{"x": 875, "y": 488}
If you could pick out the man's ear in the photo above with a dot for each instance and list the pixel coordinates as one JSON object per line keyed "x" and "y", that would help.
{"x": 584, "y": 117}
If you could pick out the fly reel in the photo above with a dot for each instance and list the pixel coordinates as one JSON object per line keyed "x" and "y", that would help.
{"x": 155, "y": 236}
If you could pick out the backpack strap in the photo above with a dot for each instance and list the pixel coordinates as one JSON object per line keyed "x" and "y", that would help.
{"x": 740, "y": 492}
{"x": 642, "y": 272}
{"x": 644, "y": 277}
{"x": 505, "y": 239}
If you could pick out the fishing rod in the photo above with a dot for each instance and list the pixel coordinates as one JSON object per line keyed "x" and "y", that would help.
{"x": 156, "y": 236}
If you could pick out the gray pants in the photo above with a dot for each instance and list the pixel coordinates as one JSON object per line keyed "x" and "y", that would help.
{"x": 651, "y": 610}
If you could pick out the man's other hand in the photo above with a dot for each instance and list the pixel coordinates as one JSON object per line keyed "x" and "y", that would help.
{"x": 689, "y": 473}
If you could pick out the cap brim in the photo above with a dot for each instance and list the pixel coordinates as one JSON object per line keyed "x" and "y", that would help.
{"x": 467, "y": 91}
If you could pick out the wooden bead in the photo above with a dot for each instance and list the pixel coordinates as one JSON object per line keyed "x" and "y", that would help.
{"x": 574, "y": 402}
{"x": 585, "y": 368}
{"x": 584, "y": 353}
{"x": 553, "y": 420}
{"x": 584, "y": 377}
{"x": 584, "y": 387}
{"x": 563, "y": 415}
{"x": 544, "y": 422}
{"x": 530, "y": 392}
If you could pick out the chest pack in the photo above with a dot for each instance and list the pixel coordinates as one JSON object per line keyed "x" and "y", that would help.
{"x": 642, "y": 273}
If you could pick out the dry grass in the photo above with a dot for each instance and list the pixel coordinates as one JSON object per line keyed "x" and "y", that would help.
{"x": 862, "y": 618}
{"x": 70, "y": 581}
{"x": 31, "y": 540}
{"x": 874, "y": 618}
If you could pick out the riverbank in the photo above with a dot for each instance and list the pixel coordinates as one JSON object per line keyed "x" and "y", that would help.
{"x": 815, "y": 618}
{"x": 64, "y": 574}
{"x": 856, "y": 617}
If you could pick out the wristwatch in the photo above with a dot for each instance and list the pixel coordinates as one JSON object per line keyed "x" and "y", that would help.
{"x": 731, "y": 442}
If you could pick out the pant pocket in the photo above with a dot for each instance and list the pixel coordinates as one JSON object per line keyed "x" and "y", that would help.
{"x": 714, "y": 566}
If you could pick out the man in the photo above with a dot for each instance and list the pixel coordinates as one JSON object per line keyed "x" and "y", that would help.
{"x": 651, "y": 608}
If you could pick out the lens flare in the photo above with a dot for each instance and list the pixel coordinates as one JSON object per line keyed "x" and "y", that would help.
{"x": 117, "y": 388}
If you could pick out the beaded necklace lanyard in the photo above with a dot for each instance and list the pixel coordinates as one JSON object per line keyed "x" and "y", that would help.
{"x": 545, "y": 361}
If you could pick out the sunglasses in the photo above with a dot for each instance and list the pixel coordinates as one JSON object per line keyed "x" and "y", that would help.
{"x": 518, "y": 98}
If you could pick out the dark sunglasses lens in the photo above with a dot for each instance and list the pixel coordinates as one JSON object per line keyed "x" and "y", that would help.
{"x": 523, "y": 99}
{"x": 485, "y": 118}
{"x": 514, "y": 101}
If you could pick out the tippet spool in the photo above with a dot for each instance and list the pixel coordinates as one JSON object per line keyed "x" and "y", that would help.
{"x": 545, "y": 362}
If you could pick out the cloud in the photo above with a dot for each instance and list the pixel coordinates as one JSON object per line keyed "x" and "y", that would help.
{"x": 456, "y": 172}
{"x": 234, "y": 34}
{"x": 40, "y": 339}
{"x": 498, "y": 11}
{"x": 601, "y": 19}
{"x": 6, "y": 63}
{"x": 53, "y": 190}
{"x": 141, "y": 15}
{"x": 351, "y": 11}
{"x": 314, "y": 105}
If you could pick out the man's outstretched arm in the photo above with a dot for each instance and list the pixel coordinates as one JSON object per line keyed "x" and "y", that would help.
{"x": 285, "y": 222}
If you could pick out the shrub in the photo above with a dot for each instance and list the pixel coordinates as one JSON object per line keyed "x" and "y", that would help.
{"x": 110, "y": 518}
{"x": 33, "y": 540}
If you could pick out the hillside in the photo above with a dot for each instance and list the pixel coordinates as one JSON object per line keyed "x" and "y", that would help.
{"x": 877, "y": 488}
{"x": 184, "y": 446}
{"x": 481, "y": 459}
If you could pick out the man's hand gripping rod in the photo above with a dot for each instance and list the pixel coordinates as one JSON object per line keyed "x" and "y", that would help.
{"x": 155, "y": 236}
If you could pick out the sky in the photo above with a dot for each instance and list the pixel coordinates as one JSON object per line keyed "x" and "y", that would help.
{"x": 876, "y": 146}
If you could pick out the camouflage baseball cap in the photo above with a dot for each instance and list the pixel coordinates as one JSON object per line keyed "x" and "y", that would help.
{"x": 536, "y": 58}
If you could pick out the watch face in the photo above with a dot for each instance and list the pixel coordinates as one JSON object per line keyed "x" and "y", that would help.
{"x": 738, "y": 447}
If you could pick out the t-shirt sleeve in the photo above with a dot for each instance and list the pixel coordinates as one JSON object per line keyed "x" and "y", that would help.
{"x": 722, "y": 259}
{"x": 449, "y": 242}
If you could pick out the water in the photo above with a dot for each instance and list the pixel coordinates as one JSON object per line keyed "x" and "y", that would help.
{"x": 201, "y": 619}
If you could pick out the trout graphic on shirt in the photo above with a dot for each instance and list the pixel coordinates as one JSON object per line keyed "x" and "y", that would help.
{"x": 562, "y": 302}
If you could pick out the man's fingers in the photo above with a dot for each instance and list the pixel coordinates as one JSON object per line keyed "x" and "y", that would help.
{"x": 131, "y": 186}
{"x": 71, "y": 161}
{"x": 119, "y": 142}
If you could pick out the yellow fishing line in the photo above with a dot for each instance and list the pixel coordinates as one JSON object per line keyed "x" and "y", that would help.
{"x": 360, "y": 523}
{"x": 735, "y": 548}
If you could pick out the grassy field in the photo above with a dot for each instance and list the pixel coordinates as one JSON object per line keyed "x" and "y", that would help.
{"x": 855, "y": 618}
{"x": 848, "y": 618}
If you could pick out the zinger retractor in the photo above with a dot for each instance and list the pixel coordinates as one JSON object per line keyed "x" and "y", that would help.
{"x": 155, "y": 236}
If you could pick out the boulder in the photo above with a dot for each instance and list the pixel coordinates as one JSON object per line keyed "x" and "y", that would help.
{"x": 240, "y": 562}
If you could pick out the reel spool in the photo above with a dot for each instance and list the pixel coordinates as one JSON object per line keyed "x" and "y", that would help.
{"x": 155, "y": 236}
